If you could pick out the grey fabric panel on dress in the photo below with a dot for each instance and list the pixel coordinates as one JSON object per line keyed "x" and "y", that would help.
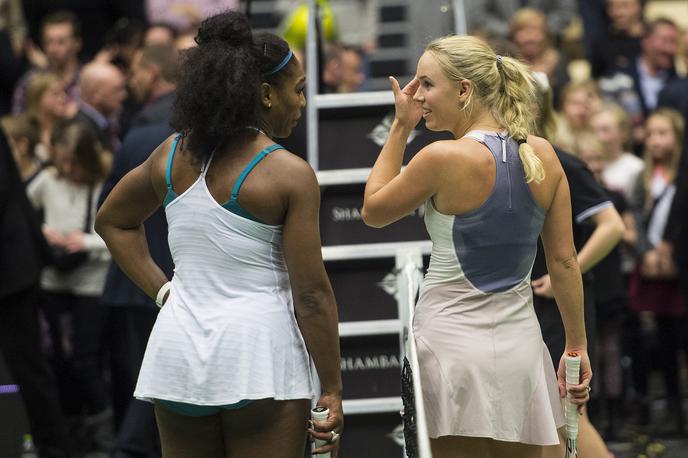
{"x": 497, "y": 242}
{"x": 485, "y": 369}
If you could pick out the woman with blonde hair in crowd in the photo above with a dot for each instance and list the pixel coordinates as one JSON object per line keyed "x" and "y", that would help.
{"x": 622, "y": 170}
{"x": 488, "y": 382}
{"x": 23, "y": 136}
{"x": 532, "y": 40}
{"x": 46, "y": 101}
{"x": 579, "y": 101}
{"x": 655, "y": 292}
{"x": 67, "y": 194}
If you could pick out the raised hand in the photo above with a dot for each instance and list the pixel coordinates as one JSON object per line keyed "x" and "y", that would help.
{"x": 408, "y": 111}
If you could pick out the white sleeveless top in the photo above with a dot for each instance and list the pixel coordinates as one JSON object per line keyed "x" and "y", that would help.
{"x": 227, "y": 331}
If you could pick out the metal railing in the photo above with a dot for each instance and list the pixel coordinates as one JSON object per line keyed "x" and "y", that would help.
{"x": 409, "y": 277}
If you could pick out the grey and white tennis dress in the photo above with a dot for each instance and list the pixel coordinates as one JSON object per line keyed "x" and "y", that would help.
{"x": 484, "y": 367}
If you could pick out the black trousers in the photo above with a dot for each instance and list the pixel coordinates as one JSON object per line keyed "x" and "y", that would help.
{"x": 20, "y": 346}
{"x": 77, "y": 326}
{"x": 137, "y": 433}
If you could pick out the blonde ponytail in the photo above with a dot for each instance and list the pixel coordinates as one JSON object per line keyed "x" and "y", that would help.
{"x": 513, "y": 107}
{"x": 501, "y": 83}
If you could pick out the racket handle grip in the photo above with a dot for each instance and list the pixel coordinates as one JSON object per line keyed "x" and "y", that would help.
{"x": 320, "y": 413}
{"x": 572, "y": 365}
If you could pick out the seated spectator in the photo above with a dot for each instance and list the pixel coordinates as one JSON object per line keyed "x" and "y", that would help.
{"x": 46, "y": 102}
{"x": 532, "y": 41}
{"x": 491, "y": 17}
{"x": 68, "y": 194}
{"x": 23, "y": 135}
{"x": 160, "y": 34}
{"x": 579, "y": 100}
{"x": 343, "y": 70}
{"x": 61, "y": 40}
{"x": 636, "y": 85}
{"x": 622, "y": 170}
{"x": 103, "y": 90}
{"x": 621, "y": 44}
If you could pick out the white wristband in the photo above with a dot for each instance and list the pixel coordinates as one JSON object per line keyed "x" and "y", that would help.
{"x": 160, "y": 298}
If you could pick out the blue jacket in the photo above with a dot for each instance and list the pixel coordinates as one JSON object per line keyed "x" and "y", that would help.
{"x": 137, "y": 146}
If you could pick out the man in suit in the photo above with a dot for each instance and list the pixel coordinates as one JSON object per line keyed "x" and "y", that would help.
{"x": 103, "y": 91}
{"x": 635, "y": 85}
{"x": 152, "y": 82}
{"x": 23, "y": 253}
{"x": 132, "y": 313}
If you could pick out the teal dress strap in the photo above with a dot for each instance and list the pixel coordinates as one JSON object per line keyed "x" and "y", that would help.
{"x": 233, "y": 204}
{"x": 171, "y": 195}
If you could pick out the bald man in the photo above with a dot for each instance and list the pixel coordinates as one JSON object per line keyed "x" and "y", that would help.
{"x": 103, "y": 89}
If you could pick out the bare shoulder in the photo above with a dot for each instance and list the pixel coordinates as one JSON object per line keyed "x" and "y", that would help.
{"x": 468, "y": 157}
{"x": 156, "y": 163}
{"x": 443, "y": 152}
{"x": 162, "y": 152}
{"x": 292, "y": 172}
{"x": 544, "y": 150}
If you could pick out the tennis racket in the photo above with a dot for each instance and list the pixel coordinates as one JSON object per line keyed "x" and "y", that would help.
{"x": 572, "y": 364}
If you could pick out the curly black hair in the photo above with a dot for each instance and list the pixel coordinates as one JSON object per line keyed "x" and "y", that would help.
{"x": 218, "y": 83}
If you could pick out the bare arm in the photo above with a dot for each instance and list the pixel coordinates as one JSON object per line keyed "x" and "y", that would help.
{"x": 609, "y": 228}
{"x": 314, "y": 302}
{"x": 562, "y": 265}
{"x": 389, "y": 193}
{"x": 120, "y": 223}
{"x": 567, "y": 283}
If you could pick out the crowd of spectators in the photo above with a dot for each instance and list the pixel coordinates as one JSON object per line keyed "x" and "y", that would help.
{"x": 85, "y": 95}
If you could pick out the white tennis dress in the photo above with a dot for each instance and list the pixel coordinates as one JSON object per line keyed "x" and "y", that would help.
{"x": 485, "y": 369}
{"x": 227, "y": 332}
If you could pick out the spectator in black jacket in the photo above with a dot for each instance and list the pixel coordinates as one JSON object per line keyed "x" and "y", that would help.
{"x": 23, "y": 253}
{"x": 620, "y": 43}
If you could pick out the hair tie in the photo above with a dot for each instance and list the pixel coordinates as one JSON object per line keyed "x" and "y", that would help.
{"x": 500, "y": 70}
{"x": 279, "y": 66}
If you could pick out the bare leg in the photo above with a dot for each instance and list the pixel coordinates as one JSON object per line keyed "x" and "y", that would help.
{"x": 476, "y": 447}
{"x": 182, "y": 436}
{"x": 589, "y": 442}
{"x": 556, "y": 451}
{"x": 266, "y": 428}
